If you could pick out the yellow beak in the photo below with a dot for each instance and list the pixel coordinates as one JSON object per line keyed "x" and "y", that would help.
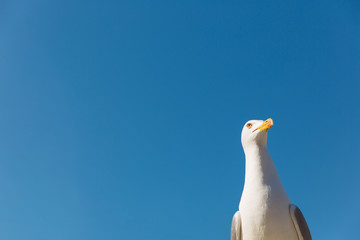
{"x": 266, "y": 125}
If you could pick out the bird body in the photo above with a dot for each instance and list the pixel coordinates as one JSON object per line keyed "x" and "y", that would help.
{"x": 264, "y": 205}
{"x": 264, "y": 209}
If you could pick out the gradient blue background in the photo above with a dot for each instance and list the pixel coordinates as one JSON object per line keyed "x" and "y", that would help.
{"x": 122, "y": 119}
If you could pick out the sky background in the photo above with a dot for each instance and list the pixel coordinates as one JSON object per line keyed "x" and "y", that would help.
{"x": 122, "y": 119}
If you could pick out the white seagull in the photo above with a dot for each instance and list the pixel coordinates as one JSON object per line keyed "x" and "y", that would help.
{"x": 265, "y": 210}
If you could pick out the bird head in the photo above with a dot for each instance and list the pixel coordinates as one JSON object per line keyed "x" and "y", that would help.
{"x": 254, "y": 133}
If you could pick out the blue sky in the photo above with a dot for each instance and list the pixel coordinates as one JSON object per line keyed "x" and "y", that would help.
{"x": 122, "y": 119}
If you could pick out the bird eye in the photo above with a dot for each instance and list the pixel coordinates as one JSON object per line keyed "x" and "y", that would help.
{"x": 249, "y": 125}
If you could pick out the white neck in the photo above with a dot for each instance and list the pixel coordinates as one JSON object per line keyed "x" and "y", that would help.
{"x": 260, "y": 168}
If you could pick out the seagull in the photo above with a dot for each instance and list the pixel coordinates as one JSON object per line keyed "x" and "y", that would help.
{"x": 265, "y": 211}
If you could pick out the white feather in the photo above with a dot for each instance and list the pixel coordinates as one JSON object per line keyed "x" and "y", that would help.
{"x": 264, "y": 204}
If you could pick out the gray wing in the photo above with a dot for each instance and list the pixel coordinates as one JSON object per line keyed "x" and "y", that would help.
{"x": 300, "y": 224}
{"x": 236, "y": 227}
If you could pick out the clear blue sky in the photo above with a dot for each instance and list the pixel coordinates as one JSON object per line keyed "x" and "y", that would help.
{"x": 122, "y": 119}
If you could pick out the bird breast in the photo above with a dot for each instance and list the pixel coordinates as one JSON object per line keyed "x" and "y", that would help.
{"x": 265, "y": 214}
